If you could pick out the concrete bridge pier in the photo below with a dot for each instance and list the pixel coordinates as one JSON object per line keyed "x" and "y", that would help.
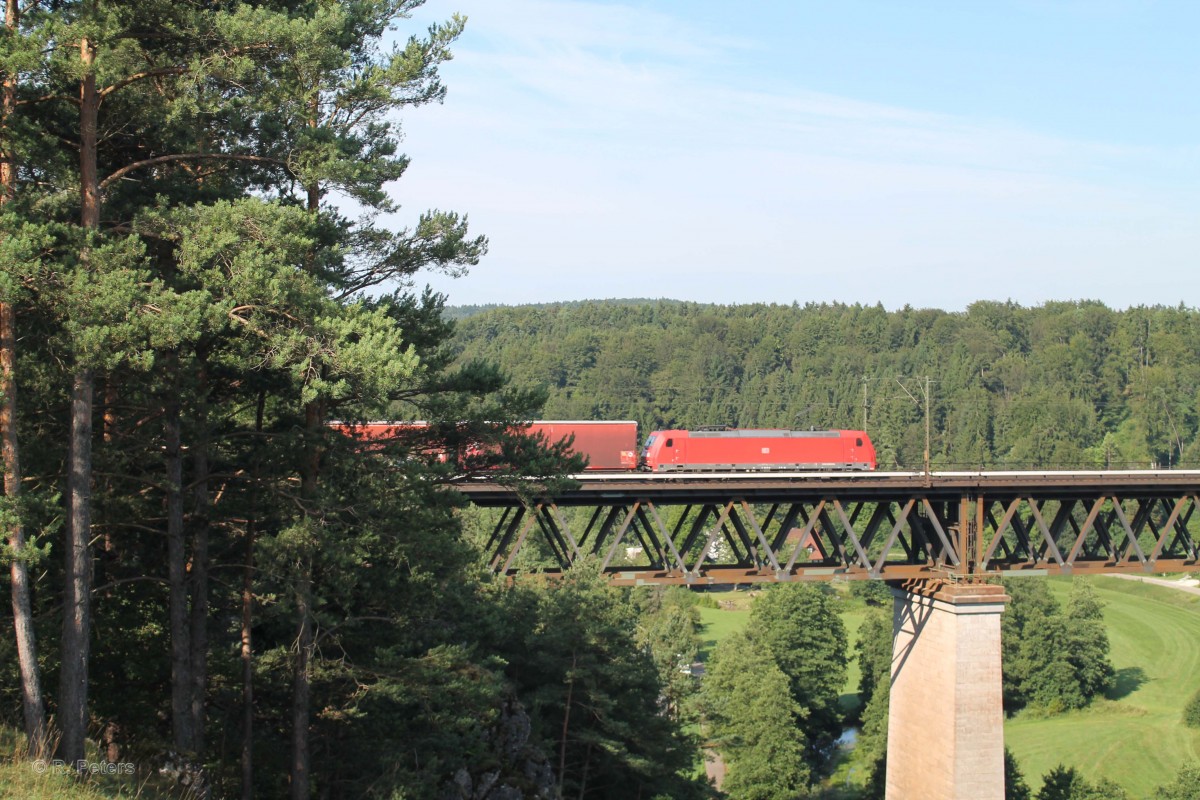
{"x": 946, "y": 720}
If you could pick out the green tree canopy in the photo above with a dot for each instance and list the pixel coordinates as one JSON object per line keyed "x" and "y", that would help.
{"x": 757, "y": 727}
{"x": 799, "y": 626}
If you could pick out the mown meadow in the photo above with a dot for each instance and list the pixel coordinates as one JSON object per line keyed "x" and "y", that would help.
{"x": 1134, "y": 736}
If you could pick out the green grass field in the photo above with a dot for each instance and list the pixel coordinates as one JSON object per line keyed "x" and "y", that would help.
{"x": 1136, "y": 738}
{"x": 719, "y": 623}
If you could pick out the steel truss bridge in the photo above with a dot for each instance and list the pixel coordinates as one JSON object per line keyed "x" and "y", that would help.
{"x": 764, "y": 527}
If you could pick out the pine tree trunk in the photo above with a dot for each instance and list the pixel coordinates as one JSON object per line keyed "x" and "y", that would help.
{"x": 177, "y": 575}
{"x": 302, "y": 687}
{"x": 108, "y": 432}
{"x": 199, "y": 618}
{"x": 110, "y": 742}
{"x": 76, "y": 637}
{"x": 566, "y": 726}
{"x": 310, "y": 471}
{"x": 587, "y": 763}
{"x": 108, "y": 428}
{"x": 248, "y": 618}
{"x": 248, "y": 667}
{"x": 31, "y": 679}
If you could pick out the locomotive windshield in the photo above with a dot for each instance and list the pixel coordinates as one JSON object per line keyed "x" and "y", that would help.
{"x": 649, "y": 442}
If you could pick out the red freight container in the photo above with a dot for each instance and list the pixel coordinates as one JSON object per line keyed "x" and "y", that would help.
{"x": 747, "y": 449}
{"x": 376, "y": 436}
{"x": 607, "y": 445}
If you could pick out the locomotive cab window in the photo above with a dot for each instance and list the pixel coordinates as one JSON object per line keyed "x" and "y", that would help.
{"x": 858, "y": 442}
{"x": 669, "y": 443}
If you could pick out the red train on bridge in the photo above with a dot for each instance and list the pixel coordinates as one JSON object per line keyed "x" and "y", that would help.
{"x": 612, "y": 446}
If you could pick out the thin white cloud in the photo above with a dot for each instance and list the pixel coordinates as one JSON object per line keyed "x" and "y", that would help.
{"x": 542, "y": 27}
{"x": 604, "y": 153}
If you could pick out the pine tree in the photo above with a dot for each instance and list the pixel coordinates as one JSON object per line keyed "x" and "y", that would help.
{"x": 669, "y": 631}
{"x": 1186, "y": 785}
{"x": 1087, "y": 640}
{"x": 137, "y": 66}
{"x": 21, "y": 554}
{"x": 329, "y": 101}
{"x": 871, "y": 749}
{"x": 593, "y": 693}
{"x": 757, "y": 727}
{"x": 874, "y": 648}
{"x": 1015, "y": 787}
{"x": 874, "y": 652}
{"x": 798, "y": 624}
{"x": 1054, "y": 660}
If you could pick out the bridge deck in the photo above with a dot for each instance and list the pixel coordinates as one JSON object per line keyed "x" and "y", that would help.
{"x": 692, "y": 485}
{"x": 746, "y": 527}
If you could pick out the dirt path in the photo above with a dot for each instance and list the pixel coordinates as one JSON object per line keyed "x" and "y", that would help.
{"x": 714, "y": 767}
{"x": 1170, "y": 584}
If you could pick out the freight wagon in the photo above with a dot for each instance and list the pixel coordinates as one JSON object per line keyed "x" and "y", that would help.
{"x": 608, "y": 445}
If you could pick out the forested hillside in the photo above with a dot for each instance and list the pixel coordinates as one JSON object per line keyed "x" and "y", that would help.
{"x": 454, "y": 313}
{"x": 1063, "y": 385}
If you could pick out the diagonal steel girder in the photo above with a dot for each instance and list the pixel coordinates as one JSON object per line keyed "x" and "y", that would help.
{"x": 819, "y": 535}
{"x": 844, "y": 537}
{"x": 1121, "y": 533}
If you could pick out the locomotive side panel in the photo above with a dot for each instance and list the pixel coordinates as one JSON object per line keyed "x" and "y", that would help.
{"x": 758, "y": 450}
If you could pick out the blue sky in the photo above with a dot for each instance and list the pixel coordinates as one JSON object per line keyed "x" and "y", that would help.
{"x": 904, "y": 152}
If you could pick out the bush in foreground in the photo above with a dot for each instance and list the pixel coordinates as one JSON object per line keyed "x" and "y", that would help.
{"x": 1191, "y": 711}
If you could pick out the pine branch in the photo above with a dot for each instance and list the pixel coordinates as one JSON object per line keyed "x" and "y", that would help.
{"x": 178, "y": 157}
{"x": 139, "y": 76}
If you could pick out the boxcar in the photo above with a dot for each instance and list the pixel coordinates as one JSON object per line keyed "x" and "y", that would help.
{"x": 607, "y": 445}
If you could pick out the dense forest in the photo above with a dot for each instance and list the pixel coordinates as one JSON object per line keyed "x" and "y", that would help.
{"x": 1065, "y": 384}
{"x": 209, "y": 581}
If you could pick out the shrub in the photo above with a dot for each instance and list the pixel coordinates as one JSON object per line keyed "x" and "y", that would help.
{"x": 873, "y": 593}
{"x": 1191, "y": 711}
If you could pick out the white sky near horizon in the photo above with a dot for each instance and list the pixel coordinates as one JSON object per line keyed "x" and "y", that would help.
{"x": 922, "y": 153}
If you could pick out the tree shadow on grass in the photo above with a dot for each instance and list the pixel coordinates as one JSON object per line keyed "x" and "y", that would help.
{"x": 851, "y": 706}
{"x": 1128, "y": 681}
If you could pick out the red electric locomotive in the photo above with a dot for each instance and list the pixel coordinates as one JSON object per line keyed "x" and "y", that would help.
{"x": 731, "y": 449}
